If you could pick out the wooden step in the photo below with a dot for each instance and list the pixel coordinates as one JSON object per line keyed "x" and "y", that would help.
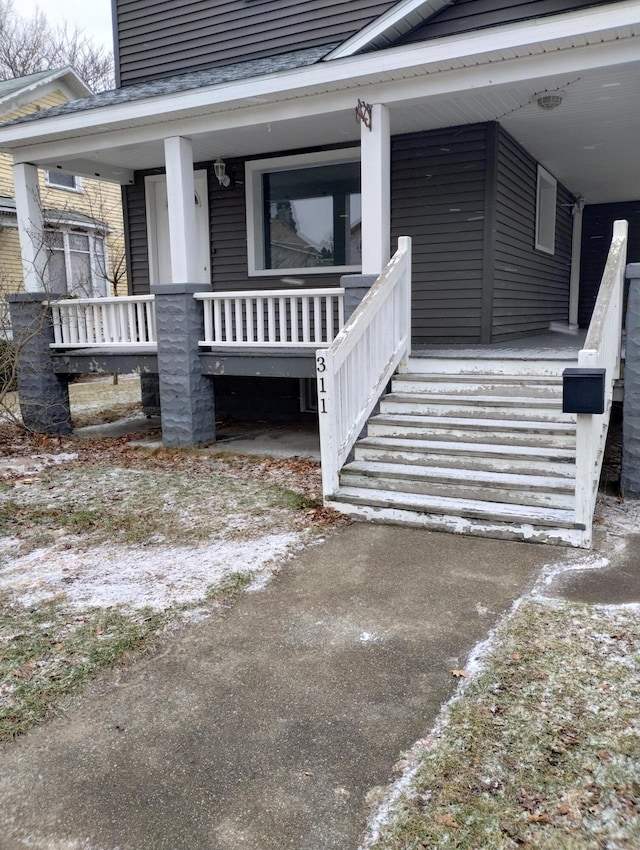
{"x": 480, "y": 384}
{"x": 494, "y": 407}
{"x": 477, "y": 485}
{"x": 520, "y": 460}
{"x": 460, "y": 517}
{"x": 473, "y": 430}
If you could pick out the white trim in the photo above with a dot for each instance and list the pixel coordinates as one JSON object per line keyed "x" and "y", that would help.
{"x": 30, "y": 225}
{"x": 546, "y": 200}
{"x": 469, "y": 50}
{"x": 376, "y": 190}
{"x": 400, "y": 19}
{"x": 66, "y": 80}
{"x": 254, "y": 169}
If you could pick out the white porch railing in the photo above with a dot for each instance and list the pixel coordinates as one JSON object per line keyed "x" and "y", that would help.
{"x": 276, "y": 317}
{"x": 353, "y": 372}
{"x": 92, "y": 322}
{"x": 601, "y": 351}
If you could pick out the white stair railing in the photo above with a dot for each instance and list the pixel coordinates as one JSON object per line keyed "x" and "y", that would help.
{"x": 353, "y": 372}
{"x": 276, "y": 317}
{"x": 601, "y": 350}
{"x": 92, "y": 322}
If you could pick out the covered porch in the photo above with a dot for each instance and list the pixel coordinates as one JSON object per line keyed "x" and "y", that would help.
{"x": 484, "y": 150}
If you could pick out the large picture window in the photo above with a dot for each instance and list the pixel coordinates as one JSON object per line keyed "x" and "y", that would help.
{"x": 304, "y": 213}
{"x": 77, "y": 263}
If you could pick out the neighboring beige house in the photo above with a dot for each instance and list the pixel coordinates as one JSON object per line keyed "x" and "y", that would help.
{"x": 84, "y": 237}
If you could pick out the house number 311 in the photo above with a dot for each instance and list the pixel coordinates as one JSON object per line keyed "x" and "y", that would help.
{"x": 321, "y": 367}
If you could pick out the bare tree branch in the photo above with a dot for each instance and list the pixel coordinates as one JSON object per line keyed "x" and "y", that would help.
{"x": 28, "y": 45}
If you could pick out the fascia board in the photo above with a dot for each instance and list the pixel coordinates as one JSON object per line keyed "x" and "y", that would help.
{"x": 395, "y": 91}
{"x": 393, "y": 18}
{"x": 336, "y": 75}
{"x": 66, "y": 79}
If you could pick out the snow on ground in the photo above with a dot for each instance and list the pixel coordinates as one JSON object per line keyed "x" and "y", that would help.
{"x": 157, "y": 577}
{"x": 619, "y": 521}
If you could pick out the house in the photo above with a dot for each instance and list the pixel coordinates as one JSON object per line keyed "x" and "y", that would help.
{"x": 83, "y": 239}
{"x": 272, "y": 158}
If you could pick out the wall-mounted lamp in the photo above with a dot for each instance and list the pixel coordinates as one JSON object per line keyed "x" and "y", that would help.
{"x": 549, "y": 101}
{"x": 220, "y": 170}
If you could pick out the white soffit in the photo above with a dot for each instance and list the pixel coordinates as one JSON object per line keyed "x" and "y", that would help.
{"x": 396, "y": 22}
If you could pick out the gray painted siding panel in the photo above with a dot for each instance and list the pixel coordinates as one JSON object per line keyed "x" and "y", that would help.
{"x": 156, "y": 39}
{"x": 597, "y": 230}
{"x": 136, "y": 237}
{"x": 437, "y": 198}
{"x": 531, "y": 288}
{"x": 467, "y": 15}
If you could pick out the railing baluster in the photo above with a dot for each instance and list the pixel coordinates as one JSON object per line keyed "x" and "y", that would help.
{"x": 271, "y": 320}
{"x": 306, "y": 335}
{"x": 248, "y": 306}
{"x": 228, "y": 331}
{"x": 239, "y": 331}
{"x": 282, "y": 318}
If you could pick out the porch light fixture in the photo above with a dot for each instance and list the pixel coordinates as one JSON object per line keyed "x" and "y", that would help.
{"x": 220, "y": 170}
{"x": 549, "y": 101}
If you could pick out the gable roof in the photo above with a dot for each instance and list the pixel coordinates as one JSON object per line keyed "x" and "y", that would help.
{"x": 389, "y": 27}
{"x": 19, "y": 91}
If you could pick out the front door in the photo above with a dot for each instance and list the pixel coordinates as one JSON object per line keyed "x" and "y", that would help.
{"x": 158, "y": 229}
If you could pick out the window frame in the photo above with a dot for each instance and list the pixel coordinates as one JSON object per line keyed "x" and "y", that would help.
{"x": 546, "y": 206}
{"x": 77, "y": 181}
{"x": 254, "y": 170}
{"x": 99, "y": 276}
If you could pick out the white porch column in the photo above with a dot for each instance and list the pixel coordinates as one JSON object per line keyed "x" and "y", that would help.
{"x": 178, "y": 155}
{"x": 576, "y": 245}
{"x": 376, "y": 190}
{"x": 30, "y": 226}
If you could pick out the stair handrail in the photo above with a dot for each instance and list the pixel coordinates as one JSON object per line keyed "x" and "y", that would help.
{"x": 354, "y": 370}
{"x": 602, "y": 350}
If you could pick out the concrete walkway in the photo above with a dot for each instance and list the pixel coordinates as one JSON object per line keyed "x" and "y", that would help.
{"x": 267, "y": 726}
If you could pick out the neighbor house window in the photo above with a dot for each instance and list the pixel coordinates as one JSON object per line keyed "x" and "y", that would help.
{"x": 77, "y": 263}
{"x": 304, "y": 213}
{"x": 547, "y": 189}
{"x": 60, "y": 180}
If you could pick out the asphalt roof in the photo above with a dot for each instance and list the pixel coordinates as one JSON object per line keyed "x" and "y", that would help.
{"x": 16, "y": 83}
{"x": 185, "y": 82}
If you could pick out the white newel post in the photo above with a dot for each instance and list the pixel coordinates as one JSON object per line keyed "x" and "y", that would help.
{"x": 30, "y": 226}
{"x": 183, "y": 245}
{"x": 375, "y": 145}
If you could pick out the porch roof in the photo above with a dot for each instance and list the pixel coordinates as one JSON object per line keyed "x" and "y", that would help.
{"x": 591, "y": 56}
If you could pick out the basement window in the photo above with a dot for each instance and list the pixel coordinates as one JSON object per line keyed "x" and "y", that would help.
{"x": 546, "y": 193}
{"x": 304, "y": 213}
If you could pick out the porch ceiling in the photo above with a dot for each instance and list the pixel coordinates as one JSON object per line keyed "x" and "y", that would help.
{"x": 589, "y": 142}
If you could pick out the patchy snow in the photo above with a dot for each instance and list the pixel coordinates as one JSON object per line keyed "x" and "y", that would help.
{"x": 619, "y": 519}
{"x": 139, "y": 577}
{"x": 30, "y": 464}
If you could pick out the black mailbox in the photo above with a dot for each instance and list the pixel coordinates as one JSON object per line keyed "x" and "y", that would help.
{"x": 583, "y": 390}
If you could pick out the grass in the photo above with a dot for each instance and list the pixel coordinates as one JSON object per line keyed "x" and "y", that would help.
{"x": 542, "y": 750}
{"x": 99, "y": 504}
{"x": 48, "y": 652}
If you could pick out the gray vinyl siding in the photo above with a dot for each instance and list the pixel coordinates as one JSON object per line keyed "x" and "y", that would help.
{"x": 597, "y": 230}
{"x": 437, "y": 198}
{"x": 135, "y": 217}
{"x": 530, "y": 288}
{"x": 159, "y": 38}
{"x": 467, "y": 15}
